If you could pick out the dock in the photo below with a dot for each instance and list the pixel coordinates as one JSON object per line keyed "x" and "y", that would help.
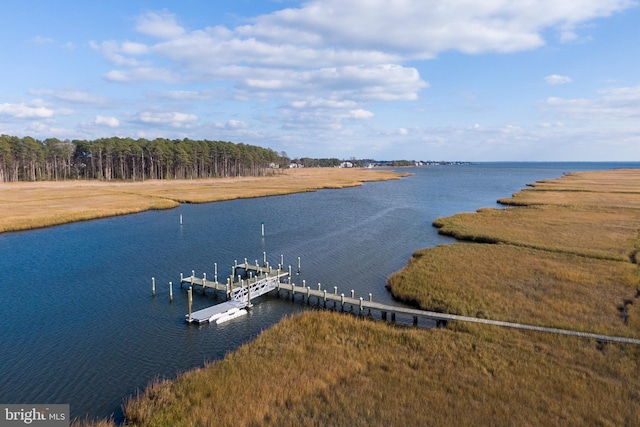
{"x": 255, "y": 280}
{"x": 249, "y": 281}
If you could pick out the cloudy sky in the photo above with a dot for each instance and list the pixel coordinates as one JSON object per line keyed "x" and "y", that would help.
{"x": 396, "y": 79}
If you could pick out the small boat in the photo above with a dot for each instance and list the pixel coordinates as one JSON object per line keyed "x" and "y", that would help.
{"x": 231, "y": 314}
{"x": 224, "y": 313}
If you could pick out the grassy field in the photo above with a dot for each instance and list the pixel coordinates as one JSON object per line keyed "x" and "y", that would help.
{"x": 569, "y": 265}
{"x": 516, "y": 284}
{"x": 604, "y": 232}
{"x": 31, "y": 205}
{"x": 332, "y": 369}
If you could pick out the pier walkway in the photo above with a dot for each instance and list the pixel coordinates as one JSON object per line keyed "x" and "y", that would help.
{"x": 256, "y": 280}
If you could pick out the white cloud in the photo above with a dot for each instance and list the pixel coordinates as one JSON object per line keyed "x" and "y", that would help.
{"x": 422, "y": 31}
{"x": 183, "y": 95}
{"x": 232, "y": 125}
{"x": 141, "y": 74}
{"x": 555, "y": 79}
{"x": 173, "y": 119}
{"x": 360, "y": 114}
{"x": 34, "y": 110}
{"x": 74, "y": 97}
{"x": 107, "y": 121}
{"x": 159, "y": 24}
{"x": 611, "y": 104}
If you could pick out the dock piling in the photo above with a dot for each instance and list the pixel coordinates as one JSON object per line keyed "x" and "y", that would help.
{"x": 190, "y": 297}
{"x": 170, "y": 292}
{"x": 181, "y": 280}
{"x": 153, "y": 286}
{"x": 370, "y": 297}
{"x": 342, "y": 301}
{"x": 264, "y": 259}
{"x": 298, "y": 266}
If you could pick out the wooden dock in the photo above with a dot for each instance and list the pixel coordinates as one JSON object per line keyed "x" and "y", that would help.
{"x": 255, "y": 280}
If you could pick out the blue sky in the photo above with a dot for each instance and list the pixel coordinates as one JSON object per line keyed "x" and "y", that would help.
{"x": 488, "y": 80}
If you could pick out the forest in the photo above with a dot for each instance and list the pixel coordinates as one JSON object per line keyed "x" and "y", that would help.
{"x": 29, "y": 159}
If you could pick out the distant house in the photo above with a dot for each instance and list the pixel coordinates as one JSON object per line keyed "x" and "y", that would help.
{"x": 346, "y": 165}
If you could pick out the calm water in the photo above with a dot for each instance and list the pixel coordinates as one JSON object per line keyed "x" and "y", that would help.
{"x": 78, "y": 323}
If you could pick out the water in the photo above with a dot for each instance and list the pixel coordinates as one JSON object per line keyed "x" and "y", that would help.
{"x": 78, "y": 323}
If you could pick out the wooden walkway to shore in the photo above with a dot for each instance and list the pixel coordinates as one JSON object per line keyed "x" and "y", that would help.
{"x": 280, "y": 280}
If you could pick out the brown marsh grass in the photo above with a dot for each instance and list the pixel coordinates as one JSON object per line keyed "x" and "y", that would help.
{"x": 40, "y": 204}
{"x": 606, "y": 233}
{"x": 606, "y": 181}
{"x": 331, "y": 369}
{"x": 516, "y": 284}
{"x": 532, "y": 197}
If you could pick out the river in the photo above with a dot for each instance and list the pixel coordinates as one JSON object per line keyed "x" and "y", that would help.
{"x": 79, "y": 325}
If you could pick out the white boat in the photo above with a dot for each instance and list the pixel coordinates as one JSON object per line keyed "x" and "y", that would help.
{"x": 224, "y": 313}
{"x": 228, "y": 315}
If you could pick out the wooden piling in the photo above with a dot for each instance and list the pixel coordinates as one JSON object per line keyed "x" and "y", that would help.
{"x": 370, "y": 297}
{"x": 248, "y": 294}
{"x": 153, "y": 286}
{"x": 170, "y": 292}
{"x": 352, "y": 293}
{"x": 298, "y": 266}
{"x": 342, "y": 301}
{"x": 264, "y": 259}
{"x": 190, "y": 297}
{"x": 215, "y": 272}
{"x": 181, "y": 279}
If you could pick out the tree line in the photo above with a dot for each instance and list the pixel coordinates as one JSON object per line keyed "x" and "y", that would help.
{"x": 29, "y": 159}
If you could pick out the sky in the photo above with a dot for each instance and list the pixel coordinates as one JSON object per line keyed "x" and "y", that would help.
{"x": 468, "y": 80}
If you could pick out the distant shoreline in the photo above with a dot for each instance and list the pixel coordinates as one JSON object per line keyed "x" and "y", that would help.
{"x": 33, "y": 205}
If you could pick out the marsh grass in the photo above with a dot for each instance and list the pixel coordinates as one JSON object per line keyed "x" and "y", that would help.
{"x": 605, "y": 233}
{"x": 567, "y": 260}
{"x": 573, "y": 198}
{"x": 26, "y": 206}
{"x": 516, "y": 284}
{"x": 326, "y": 368}
{"x": 606, "y": 181}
